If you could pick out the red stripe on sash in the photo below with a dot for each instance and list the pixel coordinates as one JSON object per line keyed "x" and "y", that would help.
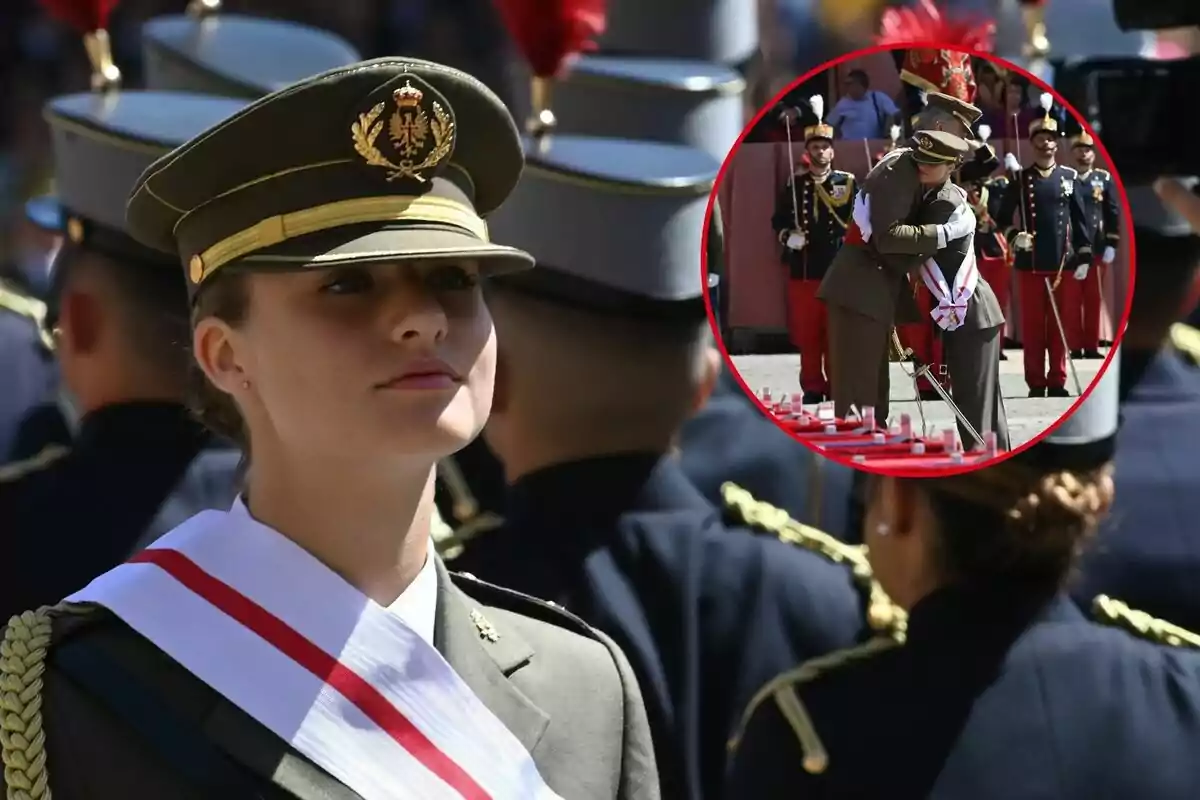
{"x": 854, "y": 234}
{"x": 295, "y": 646}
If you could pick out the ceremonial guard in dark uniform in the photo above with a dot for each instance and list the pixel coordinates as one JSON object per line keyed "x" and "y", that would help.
{"x": 1002, "y": 687}
{"x": 140, "y": 463}
{"x": 812, "y": 211}
{"x": 1044, "y": 220}
{"x": 1103, "y": 214}
{"x": 600, "y": 517}
{"x": 992, "y": 253}
{"x": 360, "y": 233}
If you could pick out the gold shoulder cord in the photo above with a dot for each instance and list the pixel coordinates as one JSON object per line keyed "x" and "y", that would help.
{"x": 883, "y": 615}
{"x": 783, "y": 690}
{"x": 22, "y": 739}
{"x": 28, "y": 307}
{"x": 1186, "y": 340}
{"x": 19, "y": 469}
{"x": 1113, "y": 612}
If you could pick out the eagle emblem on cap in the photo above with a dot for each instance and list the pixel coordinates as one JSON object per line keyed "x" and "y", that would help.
{"x": 420, "y": 133}
{"x": 925, "y": 142}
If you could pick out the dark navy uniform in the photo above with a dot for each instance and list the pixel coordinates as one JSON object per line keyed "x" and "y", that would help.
{"x": 1149, "y": 552}
{"x": 135, "y": 468}
{"x": 982, "y": 164}
{"x": 818, "y": 209}
{"x": 1102, "y": 215}
{"x": 997, "y": 692}
{"x": 30, "y": 376}
{"x": 730, "y": 440}
{"x": 626, "y": 541}
{"x": 1104, "y": 230}
{"x": 1047, "y": 205}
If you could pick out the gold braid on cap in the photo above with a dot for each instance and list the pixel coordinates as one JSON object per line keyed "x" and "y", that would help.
{"x": 883, "y": 615}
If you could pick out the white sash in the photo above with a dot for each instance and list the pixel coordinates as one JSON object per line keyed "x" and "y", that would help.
{"x": 343, "y": 680}
{"x": 951, "y": 310}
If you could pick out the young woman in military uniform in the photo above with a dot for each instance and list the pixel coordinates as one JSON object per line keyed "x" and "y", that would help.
{"x": 307, "y": 643}
{"x": 1002, "y": 689}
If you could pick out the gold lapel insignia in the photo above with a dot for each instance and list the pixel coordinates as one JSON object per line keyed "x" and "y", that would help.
{"x": 486, "y": 631}
{"x": 420, "y": 132}
{"x": 1097, "y": 191}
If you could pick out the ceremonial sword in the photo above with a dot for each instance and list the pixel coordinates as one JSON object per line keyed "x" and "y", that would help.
{"x": 921, "y": 368}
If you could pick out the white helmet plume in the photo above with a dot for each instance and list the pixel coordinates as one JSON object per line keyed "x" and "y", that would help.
{"x": 894, "y": 133}
{"x": 817, "y": 102}
{"x": 1046, "y": 100}
{"x": 985, "y": 132}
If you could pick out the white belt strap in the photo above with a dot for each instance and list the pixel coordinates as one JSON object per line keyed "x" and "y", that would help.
{"x": 951, "y": 310}
{"x": 341, "y": 679}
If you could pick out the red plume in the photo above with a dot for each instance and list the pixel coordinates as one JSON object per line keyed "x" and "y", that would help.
{"x": 549, "y": 32}
{"x": 86, "y": 16}
{"x": 927, "y": 24}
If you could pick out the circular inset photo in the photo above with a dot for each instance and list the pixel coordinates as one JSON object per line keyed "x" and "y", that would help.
{"x": 925, "y": 259}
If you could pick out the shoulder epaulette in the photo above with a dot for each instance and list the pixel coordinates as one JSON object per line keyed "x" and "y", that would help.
{"x": 1103, "y": 173}
{"x": 1186, "y": 340}
{"x": 1074, "y": 173}
{"x": 29, "y": 307}
{"x": 844, "y": 173}
{"x": 1113, "y": 612}
{"x": 23, "y": 652}
{"x": 19, "y": 469}
{"x": 782, "y": 689}
{"x": 519, "y": 603}
{"x": 883, "y": 615}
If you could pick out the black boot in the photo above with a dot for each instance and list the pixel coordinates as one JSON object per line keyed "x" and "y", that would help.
{"x": 812, "y": 398}
{"x": 1076, "y": 354}
{"x": 1037, "y": 392}
{"x": 1092, "y": 355}
{"x": 1057, "y": 391}
{"x": 929, "y": 394}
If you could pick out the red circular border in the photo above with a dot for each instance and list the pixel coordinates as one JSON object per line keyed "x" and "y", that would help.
{"x": 1127, "y": 215}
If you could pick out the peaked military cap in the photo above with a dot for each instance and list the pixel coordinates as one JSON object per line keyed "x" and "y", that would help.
{"x": 385, "y": 160}
{"x": 1086, "y": 439}
{"x": 967, "y": 114}
{"x": 719, "y": 31}
{"x": 938, "y": 147}
{"x": 652, "y": 99}
{"x": 234, "y": 55}
{"x": 615, "y": 225}
{"x": 102, "y": 142}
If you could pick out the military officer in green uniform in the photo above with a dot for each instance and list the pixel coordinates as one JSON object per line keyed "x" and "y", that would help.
{"x": 333, "y": 239}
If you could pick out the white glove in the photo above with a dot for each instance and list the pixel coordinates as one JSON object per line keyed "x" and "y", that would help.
{"x": 1110, "y": 253}
{"x": 1023, "y": 241}
{"x": 960, "y": 224}
{"x": 795, "y": 241}
{"x": 1011, "y": 163}
{"x": 1082, "y": 271}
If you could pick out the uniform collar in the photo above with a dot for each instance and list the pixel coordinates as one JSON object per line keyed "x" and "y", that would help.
{"x": 593, "y": 491}
{"x": 1156, "y": 376}
{"x": 960, "y": 612}
{"x": 143, "y": 421}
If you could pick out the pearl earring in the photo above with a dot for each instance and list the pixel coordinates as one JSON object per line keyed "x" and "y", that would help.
{"x": 245, "y": 384}
{"x": 883, "y": 529}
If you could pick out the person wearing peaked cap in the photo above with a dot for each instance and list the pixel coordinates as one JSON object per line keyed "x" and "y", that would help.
{"x": 1045, "y": 222}
{"x": 952, "y": 113}
{"x": 1102, "y": 211}
{"x": 207, "y": 50}
{"x": 604, "y": 352}
{"x": 812, "y": 210}
{"x": 138, "y": 463}
{"x": 722, "y": 32}
{"x": 866, "y": 290}
{"x": 992, "y": 251}
{"x": 333, "y": 264}
{"x": 996, "y": 653}
{"x": 1149, "y": 552}
{"x": 652, "y": 99}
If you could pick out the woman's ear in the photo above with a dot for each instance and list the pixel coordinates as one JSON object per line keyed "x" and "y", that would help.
{"x": 214, "y": 344}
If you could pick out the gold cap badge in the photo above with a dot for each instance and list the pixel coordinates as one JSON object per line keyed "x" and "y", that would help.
{"x": 75, "y": 231}
{"x": 925, "y": 142}
{"x": 420, "y": 132}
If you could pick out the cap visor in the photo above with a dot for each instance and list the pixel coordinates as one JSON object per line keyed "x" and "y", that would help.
{"x": 365, "y": 244}
{"x": 920, "y": 158}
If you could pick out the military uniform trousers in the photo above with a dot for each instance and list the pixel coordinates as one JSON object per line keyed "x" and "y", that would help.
{"x": 808, "y": 330}
{"x": 924, "y": 339}
{"x": 858, "y": 359}
{"x": 1040, "y": 335}
{"x": 973, "y": 363}
{"x": 1091, "y": 306}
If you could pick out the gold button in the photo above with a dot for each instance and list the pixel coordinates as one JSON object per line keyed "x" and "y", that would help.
{"x": 75, "y": 230}
{"x": 196, "y": 269}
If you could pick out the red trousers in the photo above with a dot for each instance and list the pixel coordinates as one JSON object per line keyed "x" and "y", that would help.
{"x": 1087, "y": 332}
{"x": 998, "y": 273}
{"x": 923, "y": 339}
{"x": 1039, "y": 331}
{"x": 808, "y": 330}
